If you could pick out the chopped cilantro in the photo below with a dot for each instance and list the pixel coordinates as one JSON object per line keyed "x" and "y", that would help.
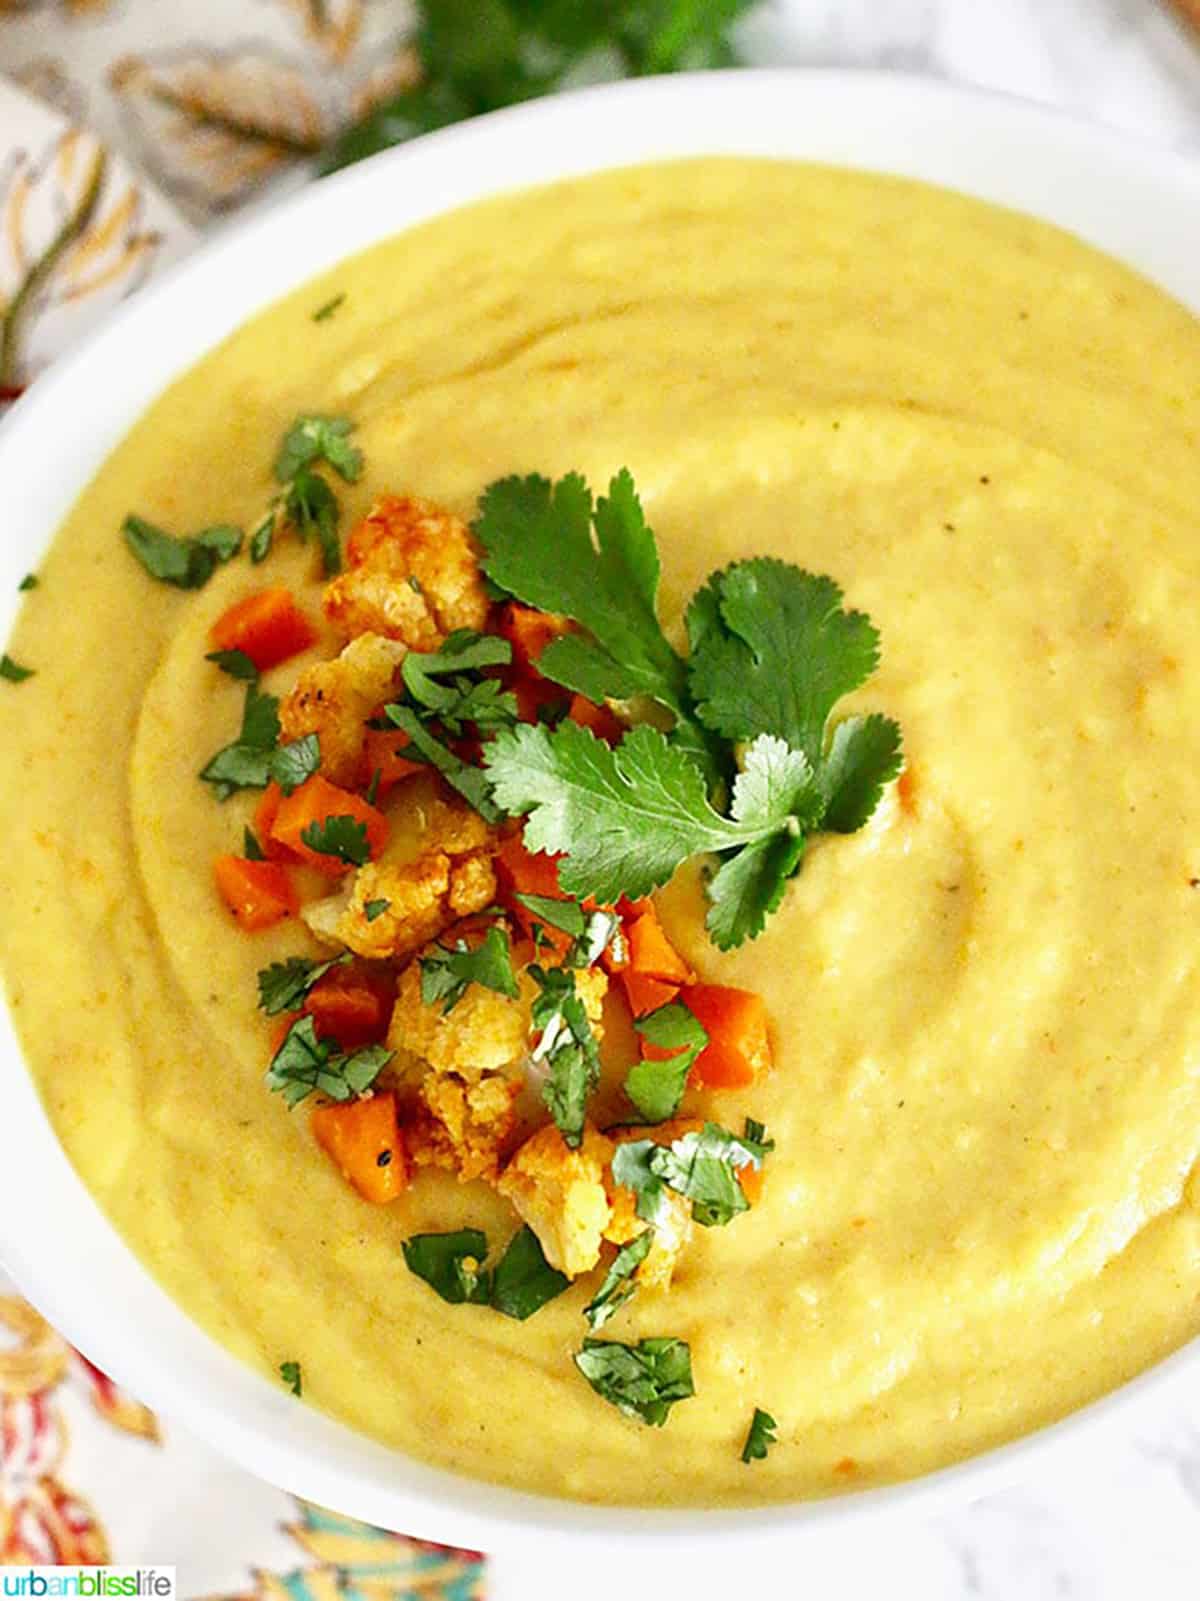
{"x": 372, "y": 794}
{"x": 30, "y": 581}
{"x": 470, "y": 782}
{"x": 312, "y": 439}
{"x": 644, "y": 1380}
{"x": 656, "y": 1087}
{"x": 236, "y": 663}
{"x": 344, "y": 838}
{"x": 13, "y": 671}
{"x": 251, "y": 849}
{"x": 324, "y": 312}
{"x": 291, "y": 1375}
{"x": 523, "y": 1281}
{"x": 246, "y": 763}
{"x": 187, "y": 563}
{"x": 625, "y": 817}
{"x": 296, "y": 761}
{"x": 591, "y": 932}
{"x": 451, "y": 1264}
{"x": 567, "y": 1046}
{"x": 618, "y": 1284}
{"x": 761, "y": 1436}
{"x": 566, "y": 916}
{"x": 375, "y": 909}
{"x": 701, "y": 1166}
{"x": 446, "y": 973}
{"x": 447, "y": 685}
{"x": 283, "y": 985}
{"x": 304, "y": 1064}
{"x": 312, "y": 508}
{"x": 263, "y": 537}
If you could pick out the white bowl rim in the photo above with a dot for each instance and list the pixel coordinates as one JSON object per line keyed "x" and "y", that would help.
{"x": 1140, "y": 203}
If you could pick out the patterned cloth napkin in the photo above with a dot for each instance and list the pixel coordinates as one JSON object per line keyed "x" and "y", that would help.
{"x": 134, "y": 126}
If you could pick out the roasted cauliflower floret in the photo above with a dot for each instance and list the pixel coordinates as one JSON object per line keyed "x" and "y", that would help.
{"x": 334, "y": 699}
{"x": 674, "y": 1226}
{"x": 484, "y": 1032}
{"x": 561, "y": 1194}
{"x": 462, "y": 1127}
{"x": 412, "y": 574}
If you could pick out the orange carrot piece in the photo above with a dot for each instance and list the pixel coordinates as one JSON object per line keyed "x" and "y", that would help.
{"x": 646, "y": 994}
{"x": 382, "y": 754}
{"x": 265, "y": 814}
{"x": 739, "y": 1045}
{"x": 257, "y": 893}
{"x": 651, "y": 952}
{"x": 906, "y": 790}
{"x": 528, "y": 872}
{"x": 353, "y": 1011}
{"x": 751, "y": 1180}
{"x": 529, "y": 631}
{"x": 267, "y": 626}
{"x": 315, "y": 801}
{"x": 363, "y": 1138}
{"x": 603, "y": 723}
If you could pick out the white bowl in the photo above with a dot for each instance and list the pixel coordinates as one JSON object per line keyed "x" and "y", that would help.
{"x": 1137, "y": 203}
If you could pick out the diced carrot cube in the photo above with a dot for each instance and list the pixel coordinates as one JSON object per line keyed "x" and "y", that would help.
{"x": 739, "y": 1045}
{"x": 652, "y": 954}
{"x": 646, "y": 994}
{"x": 265, "y": 814}
{"x": 906, "y": 790}
{"x": 751, "y": 1180}
{"x": 528, "y": 872}
{"x": 353, "y": 1011}
{"x": 603, "y": 723}
{"x": 529, "y": 631}
{"x": 315, "y": 801}
{"x": 363, "y": 1138}
{"x": 267, "y": 626}
{"x": 382, "y": 754}
{"x": 257, "y": 893}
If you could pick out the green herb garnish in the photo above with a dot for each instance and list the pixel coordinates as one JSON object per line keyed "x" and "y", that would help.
{"x": 312, "y": 439}
{"x": 523, "y": 1280}
{"x": 567, "y": 1046}
{"x": 643, "y": 1380}
{"x": 13, "y": 671}
{"x": 470, "y": 782}
{"x": 236, "y": 663}
{"x": 263, "y": 537}
{"x": 251, "y": 849}
{"x": 291, "y": 1375}
{"x": 303, "y": 1064}
{"x": 446, "y": 973}
{"x": 283, "y": 985}
{"x": 453, "y": 1264}
{"x": 619, "y": 1283}
{"x": 296, "y": 761}
{"x": 343, "y": 838}
{"x": 187, "y": 563}
{"x": 761, "y": 1436}
{"x": 701, "y": 1166}
{"x": 323, "y": 313}
{"x": 656, "y": 1088}
{"x": 30, "y": 581}
{"x": 306, "y": 500}
{"x": 246, "y": 763}
{"x": 374, "y": 909}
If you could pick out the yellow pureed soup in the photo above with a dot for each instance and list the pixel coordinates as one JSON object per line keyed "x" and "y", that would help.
{"x": 980, "y": 1211}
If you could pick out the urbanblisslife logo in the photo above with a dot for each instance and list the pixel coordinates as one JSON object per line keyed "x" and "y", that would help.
{"x": 150, "y": 1584}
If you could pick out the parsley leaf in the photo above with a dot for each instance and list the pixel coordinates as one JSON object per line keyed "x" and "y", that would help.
{"x": 236, "y": 663}
{"x": 312, "y": 507}
{"x": 446, "y": 973}
{"x": 451, "y": 1264}
{"x": 246, "y": 763}
{"x": 342, "y": 837}
{"x": 187, "y": 563}
{"x": 761, "y": 1436}
{"x": 625, "y": 817}
{"x": 567, "y": 1046}
{"x": 523, "y": 1281}
{"x": 304, "y": 1064}
{"x": 470, "y": 782}
{"x": 312, "y": 439}
{"x": 296, "y": 761}
{"x": 291, "y": 1375}
{"x": 701, "y": 1166}
{"x": 13, "y": 671}
{"x": 656, "y": 1087}
{"x": 644, "y": 1380}
{"x": 283, "y": 985}
{"x": 618, "y": 1284}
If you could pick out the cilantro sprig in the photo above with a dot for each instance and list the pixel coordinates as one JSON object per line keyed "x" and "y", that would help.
{"x": 760, "y": 1437}
{"x": 256, "y": 757}
{"x": 656, "y": 1087}
{"x": 519, "y": 1285}
{"x": 283, "y": 985}
{"x": 187, "y": 563}
{"x": 342, "y": 837}
{"x": 619, "y": 1283}
{"x": 703, "y": 1166}
{"x": 568, "y": 1047}
{"x": 304, "y": 1065}
{"x": 306, "y": 499}
{"x": 447, "y": 685}
{"x": 446, "y": 973}
{"x": 643, "y": 1380}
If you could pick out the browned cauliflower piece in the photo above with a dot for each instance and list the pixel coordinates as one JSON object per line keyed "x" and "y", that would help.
{"x": 561, "y": 1194}
{"x": 412, "y": 574}
{"x": 452, "y": 877}
{"x": 334, "y": 699}
{"x": 485, "y": 1032}
{"x": 465, "y": 1128}
{"x": 674, "y": 1226}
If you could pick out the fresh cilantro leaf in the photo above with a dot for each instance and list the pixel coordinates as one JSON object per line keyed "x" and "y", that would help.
{"x": 236, "y": 663}
{"x": 451, "y": 1264}
{"x": 749, "y": 885}
{"x": 785, "y": 653}
{"x": 263, "y": 537}
{"x": 864, "y": 755}
{"x": 656, "y": 1088}
{"x": 591, "y": 932}
{"x": 246, "y": 764}
{"x": 291, "y": 1375}
{"x": 283, "y": 985}
{"x": 625, "y": 817}
{"x": 523, "y": 1281}
{"x": 30, "y": 581}
{"x": 342, "y": 837}
{"x": 13, "y": 671}
{"x": 296, "y": 761}
{"x": 446, "y": 974}
{"x": 312, "y": 439}
{"x": 324, "y": 312}
{"x": 312, "y": 507}
{"x": 567, "y": 1046}
{"x": 446, "y": 684}
{"x": 470, "y": 782}
{"x": 761, "y": 1436}
{"x": 251, "y": 849}
{"x": 187, "y": 563}
{"x": 375, "y": 909}
{"x": 701, "y": 1166}
{"x": 566, "y": 916}
{"x": 644, "y": 1380}
{"x": 618, "y": 1284}
{"x": 304, "y": 1064}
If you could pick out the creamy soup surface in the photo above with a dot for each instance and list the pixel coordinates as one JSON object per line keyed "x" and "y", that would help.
{"x": 981, "y": 1211}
